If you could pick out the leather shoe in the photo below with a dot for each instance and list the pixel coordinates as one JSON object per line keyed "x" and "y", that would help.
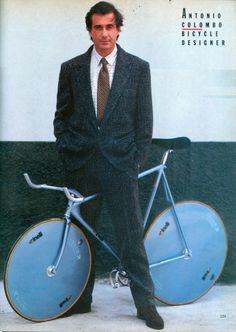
{"x": 78, "y": 308}
{"x": 151, "y": 316}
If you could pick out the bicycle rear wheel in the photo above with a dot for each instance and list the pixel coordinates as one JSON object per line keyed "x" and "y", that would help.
{"x": 184, "y": 280}
{"x": 32, "y": 291}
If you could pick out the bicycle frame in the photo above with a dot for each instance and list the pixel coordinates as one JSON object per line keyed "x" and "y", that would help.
{"x": 73, "y": 209}
{"x": 160, "y": 169}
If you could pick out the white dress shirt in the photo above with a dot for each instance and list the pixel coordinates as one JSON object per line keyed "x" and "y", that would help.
{"x": 95, "y": 67}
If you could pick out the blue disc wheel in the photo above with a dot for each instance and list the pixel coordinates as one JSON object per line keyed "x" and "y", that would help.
{"x": 33, "y": 291}
{"x": 183, "y": 280}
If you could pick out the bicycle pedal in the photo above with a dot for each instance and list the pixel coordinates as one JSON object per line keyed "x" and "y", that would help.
{"x": 119, "y": 278}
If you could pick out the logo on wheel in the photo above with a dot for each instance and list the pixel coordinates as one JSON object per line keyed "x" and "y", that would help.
{"x": 67, "y": 299}
{"x": 35, "y": 238}
{"x": 164, "y": 228}
{"x": 206, "y": 274}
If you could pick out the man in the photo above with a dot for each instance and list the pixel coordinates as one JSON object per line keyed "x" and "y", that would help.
{"x": 103, "y": 126}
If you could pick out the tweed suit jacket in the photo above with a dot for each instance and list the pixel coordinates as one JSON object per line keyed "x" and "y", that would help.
{"x": 125, "y": 133}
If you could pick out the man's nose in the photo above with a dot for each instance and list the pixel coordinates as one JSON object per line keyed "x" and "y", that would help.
{"x": 104, "y": 32}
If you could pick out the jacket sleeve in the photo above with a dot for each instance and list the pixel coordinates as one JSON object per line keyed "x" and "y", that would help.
{"x": 64, "y": 106}
{"x": 144, "y": 116}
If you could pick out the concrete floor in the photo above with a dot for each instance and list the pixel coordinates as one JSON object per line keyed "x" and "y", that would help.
{"x": 113, "y": 310}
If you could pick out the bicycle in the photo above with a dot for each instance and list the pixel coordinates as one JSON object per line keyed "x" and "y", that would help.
{"x": 49, "y": 265}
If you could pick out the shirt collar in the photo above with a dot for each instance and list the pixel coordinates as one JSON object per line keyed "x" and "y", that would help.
{"x": 110, "y": 57}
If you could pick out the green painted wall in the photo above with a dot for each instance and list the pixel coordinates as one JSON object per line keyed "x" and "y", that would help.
{"x": 206, "y": 172}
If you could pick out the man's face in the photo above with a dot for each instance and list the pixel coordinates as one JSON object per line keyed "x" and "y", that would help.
{"x": 104, "y": 33}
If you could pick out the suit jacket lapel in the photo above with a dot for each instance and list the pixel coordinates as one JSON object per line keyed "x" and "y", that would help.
{"x": 121, "y": 76}
{"x": 83, "y": 75}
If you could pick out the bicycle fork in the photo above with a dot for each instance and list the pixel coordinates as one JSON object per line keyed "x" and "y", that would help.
{"x": 52, "y": 269}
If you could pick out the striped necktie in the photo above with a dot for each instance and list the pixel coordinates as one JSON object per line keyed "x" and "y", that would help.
{"x": 103, "y": 90}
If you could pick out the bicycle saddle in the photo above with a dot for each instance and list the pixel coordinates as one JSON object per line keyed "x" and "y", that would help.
{"x": 173, "y": 143}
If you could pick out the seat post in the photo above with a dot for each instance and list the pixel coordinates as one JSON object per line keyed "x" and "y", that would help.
{"x": 165, "y": 156}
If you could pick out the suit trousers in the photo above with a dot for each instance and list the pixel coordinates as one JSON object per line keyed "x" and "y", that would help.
{"x": 121, "y": 195}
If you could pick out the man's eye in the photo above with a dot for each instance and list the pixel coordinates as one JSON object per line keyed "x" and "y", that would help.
{"x": 97, "y": 27}
{"x": 110, "y": 26}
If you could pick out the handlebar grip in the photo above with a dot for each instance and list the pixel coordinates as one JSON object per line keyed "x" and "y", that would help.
{"x": 31, "y": 184}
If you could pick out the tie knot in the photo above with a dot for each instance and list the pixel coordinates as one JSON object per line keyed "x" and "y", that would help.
{"x": 104, "y": 62}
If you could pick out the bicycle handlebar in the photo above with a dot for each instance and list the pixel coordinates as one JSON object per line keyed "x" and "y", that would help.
{"x": 70, "y": 194}
{"x": 39, "y": 186}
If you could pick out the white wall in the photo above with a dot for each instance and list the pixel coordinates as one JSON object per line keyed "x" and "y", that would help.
{"x": 194, "y": 87}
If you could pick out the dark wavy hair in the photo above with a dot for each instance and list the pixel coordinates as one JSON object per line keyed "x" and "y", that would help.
{"x": 103, "y": 8}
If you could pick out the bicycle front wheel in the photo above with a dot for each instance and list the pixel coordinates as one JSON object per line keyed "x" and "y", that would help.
{"x": 183, "y": 280}
{"x": 32, "y": 290}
